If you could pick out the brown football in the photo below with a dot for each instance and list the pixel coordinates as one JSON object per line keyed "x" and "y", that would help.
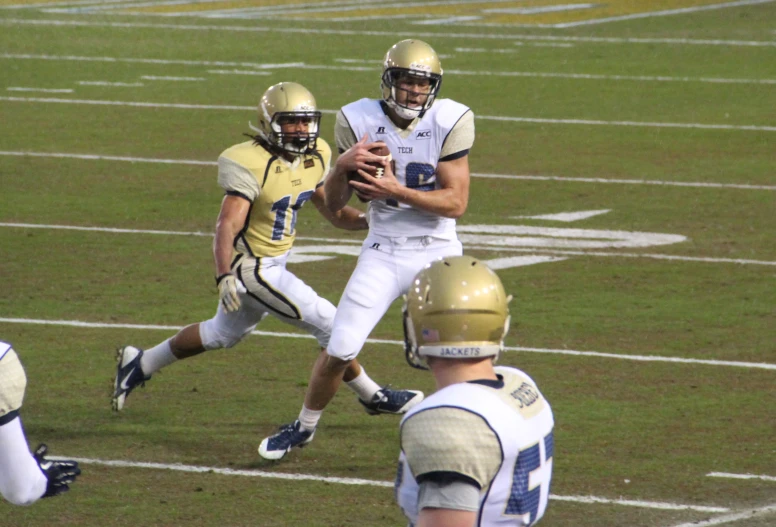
{"x": 374, "y": 167}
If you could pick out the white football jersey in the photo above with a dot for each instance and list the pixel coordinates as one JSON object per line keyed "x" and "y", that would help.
{"x": 500, "y": 438}
{"x": 415, "y": 158}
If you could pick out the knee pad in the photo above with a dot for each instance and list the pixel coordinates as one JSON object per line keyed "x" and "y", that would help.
{"x": 318, "y": 320}
{"x": 326, "y": 312}
{"x": 217, "y": 336}
{"x": 344, "y": 345}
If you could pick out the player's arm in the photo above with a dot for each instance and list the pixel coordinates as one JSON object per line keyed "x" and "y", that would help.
{"x": 431, "y": 517}
{"x": 449, "y": 200}
{"x": 241, "y": 190}
{"x": 354, "y": 154}
{"x": 231, "y": 219}
{"x": 348, "y": 218}
{"x": 451, "y": 196}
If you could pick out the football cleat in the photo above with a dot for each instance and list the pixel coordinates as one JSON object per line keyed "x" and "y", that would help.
{"x": 388, "y": 401}
{"x": 59, "y": 474}
{"x": 288, "y": 436}
{"x": 129, "y": 375}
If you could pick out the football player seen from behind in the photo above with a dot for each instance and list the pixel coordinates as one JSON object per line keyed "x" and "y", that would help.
{"x": 265, "y": 180}
{"x": 24, "y": 477}
{"x": 479, "y": 450}
{"x": 413, "y": 206}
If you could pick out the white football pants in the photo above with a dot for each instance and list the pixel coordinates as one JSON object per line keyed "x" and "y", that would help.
{"x": 385, "y": 269}
{"x": 271, "y": 289}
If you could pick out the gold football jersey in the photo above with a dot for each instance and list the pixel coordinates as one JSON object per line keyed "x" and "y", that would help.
{"x": 276, "y": 189}
{"x": 13, "y": 381}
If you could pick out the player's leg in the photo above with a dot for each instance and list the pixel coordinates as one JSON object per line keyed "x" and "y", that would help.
{"x": 367, "y": 296}
{"x": 325, "y": 378}
{"x": 376, "y": 282}
{"x": 294, "y": 302}
{"x": 21, "y": 480}
{"x": 135, "y": 366}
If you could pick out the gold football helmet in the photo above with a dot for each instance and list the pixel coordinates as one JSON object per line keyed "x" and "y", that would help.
{"x": 414, "y": 58}
{"x": 456, "y": 308}
{"x": 288, "y": 102}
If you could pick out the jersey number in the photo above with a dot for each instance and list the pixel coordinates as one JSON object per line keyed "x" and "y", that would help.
{"x": 417, "y": 176}
{"x": 280, "y": 208}
{"x": 524, "y": 500}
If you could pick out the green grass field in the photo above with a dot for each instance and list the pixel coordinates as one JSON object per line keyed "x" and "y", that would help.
{"x": 650, "y": 325}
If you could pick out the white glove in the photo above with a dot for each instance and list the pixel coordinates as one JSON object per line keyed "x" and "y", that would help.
{"x": 228, "y": 292}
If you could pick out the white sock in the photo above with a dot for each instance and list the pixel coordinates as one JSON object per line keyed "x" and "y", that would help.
{"x": 308, "y": 419}
{"x": 364, "y": 386}
{"x": 156, "y": 358}
{"x": 21, "y": 480}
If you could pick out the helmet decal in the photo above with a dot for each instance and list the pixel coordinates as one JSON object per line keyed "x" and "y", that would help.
{"x": 456, "y": 308}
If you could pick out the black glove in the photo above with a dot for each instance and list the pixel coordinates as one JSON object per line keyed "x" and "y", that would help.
{"x": 59, "y": 474}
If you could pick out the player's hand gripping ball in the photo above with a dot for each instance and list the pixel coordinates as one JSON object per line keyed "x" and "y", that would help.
{"x": 375, "y": 169}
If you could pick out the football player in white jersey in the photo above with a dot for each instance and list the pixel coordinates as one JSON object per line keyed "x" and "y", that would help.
{"x": 412, "y": 206}
{"x": 266, "y": 181}
{"x": 479, "y": 450}
{"x": 25, "y": 477}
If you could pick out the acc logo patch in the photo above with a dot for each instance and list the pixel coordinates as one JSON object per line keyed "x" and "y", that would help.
{"x": 423, "y": 134}
{"x": 309, "y": 163}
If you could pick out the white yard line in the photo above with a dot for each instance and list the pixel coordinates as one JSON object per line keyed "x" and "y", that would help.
{"x": 362, "y": 482}
{"x": 732, "y": 518}
{"x": 472, "y": 246}
{"x": 61, "y": 3}
{"x": 165, "y": 78}
{"x": 741, "y": 476}
{"x": 108, "y": 83}
{"x": 431, "y": 35}
{"x": 597, "y": 122}
{"x": 278, "y": 334}
{"x": 667, "y": 12}
{"x": 583, "y": 122}
{"x": 129, "y": 159}
{"x": 627, "y": 181}
{"x": 97, "y": 157}
{"x": 634, "y": 503}
{"x": 121, "y": 4}
{"x": 287, "y": 9}
{"x": 144, "y": 60}
{"x": 135, "y": 104}
{"x": 42, "y": 90}
{"x": 486, "y": 50}
{"x": 375, "y": 66}
{"x": 239, "y": 72}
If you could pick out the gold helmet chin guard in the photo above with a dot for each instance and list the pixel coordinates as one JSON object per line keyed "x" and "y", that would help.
{"x": 410, "y": 57}
{"x": 456, "y": 308}
{"x": 288, "y": 100}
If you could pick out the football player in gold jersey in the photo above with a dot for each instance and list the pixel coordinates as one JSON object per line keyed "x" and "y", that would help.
{"x": 478, "y": 451}
{"x": 266, "y": 181}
